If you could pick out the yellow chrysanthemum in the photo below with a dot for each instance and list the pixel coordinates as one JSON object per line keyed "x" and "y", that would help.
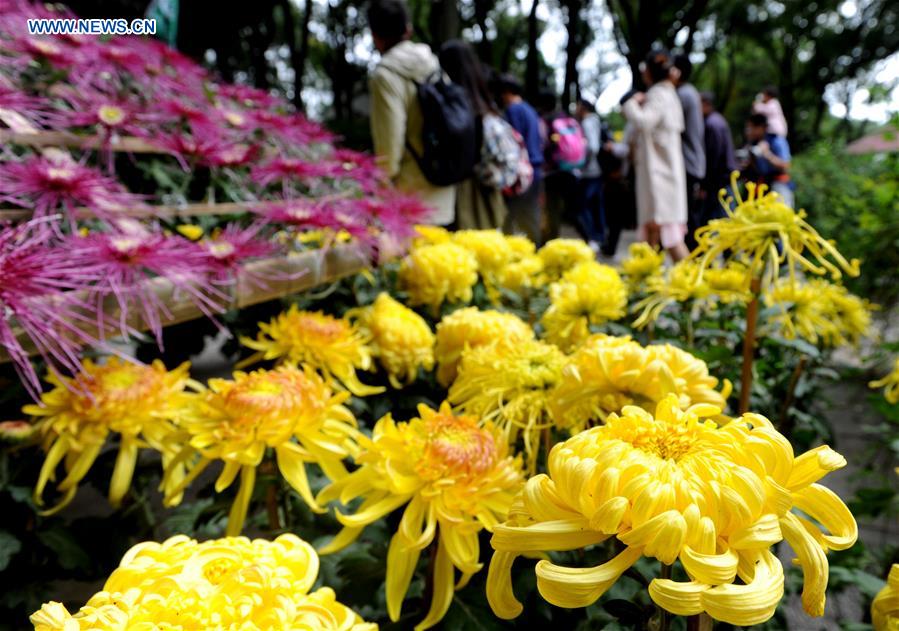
{"x": 608, "y": 373}
{"x": 642, "y": 262}
{"x": 430, "y": 235}
{"x": 510, "y": 386}
{"x": 135, "y": 401}
{"x": 588, "y": 294}
{"x": 290, "y": 410}
{"x": 677, "y": 284}
{"x": 470, "y": 328}
{"x": 889, "y": 383}
{"x": 491, "y": 249}
{"x": 401, "y": 339}
{"x": 885, "y": 608}
{"x": 453, "y": 474}
{"x": 560, "y": 255}
{"x": 332, "y": 345}
{"x": 434, "y": 274}
{"x": 230, "y": 583}
{"x": 522, "y": 274}
{"x": 675, "y": 487}
{"x": 728, "y": 282}
{"x": 520, "y": 245}
{"x": 818, "y": 311}
{"x": 768, "y": 234}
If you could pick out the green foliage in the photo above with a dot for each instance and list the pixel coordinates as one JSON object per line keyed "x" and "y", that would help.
{"x": 855, "y": 201}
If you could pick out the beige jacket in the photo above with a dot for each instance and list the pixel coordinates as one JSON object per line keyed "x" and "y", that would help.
{"x": 658, "y": 160}
{"x": 396, "y": 119}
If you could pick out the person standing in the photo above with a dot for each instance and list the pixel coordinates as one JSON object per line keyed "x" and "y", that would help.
{"x": 768, "y": 158}
{"x": 478, "y": 206}
{"x": 524, "y": 209}
{"x": 768, "y": 103}
{"x": 591, "y": 217}
{"x": 720, "y": 160}
{"x": 657, "y": 119}
{"x": 396, "y": 118}
{"x": 692, "y": 141}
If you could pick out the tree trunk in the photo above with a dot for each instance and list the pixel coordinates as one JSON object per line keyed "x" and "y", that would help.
{"x": 571, "y": 88}
{"x": 485, "y": 46}
{"x": 532, "y": 63}
{"x": 444, "y": 22}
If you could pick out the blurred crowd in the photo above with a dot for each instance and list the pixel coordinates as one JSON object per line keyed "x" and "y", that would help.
{"x": 468, "y": 142}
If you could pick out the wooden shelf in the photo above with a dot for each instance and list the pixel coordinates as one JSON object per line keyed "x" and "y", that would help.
{"x": 41, "y": 139}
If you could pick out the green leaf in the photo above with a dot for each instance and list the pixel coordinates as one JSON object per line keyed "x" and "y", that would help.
{"x": 69, "y": 553}
{"x": 9, "y": 547}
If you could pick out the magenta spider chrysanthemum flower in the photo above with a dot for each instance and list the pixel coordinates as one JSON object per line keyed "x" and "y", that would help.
{"x": 360, "y": 167}
{"x": 331, "y": 214}
{"x": 50, "y": 185}
{"x": 284, "y": 170}
{"x": 396, "y": 214}
{"x": 37, "y": 297}
{"x": 290, "y": 129}
{"x": 36, "y": 110}
{"x": 227, "y": 249}
{"x": 128, "y": 261}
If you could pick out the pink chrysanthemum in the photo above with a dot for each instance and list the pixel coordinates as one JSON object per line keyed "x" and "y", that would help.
{"x": 36, "y": 295}
{"x": 49, "y": 186}
{"x": 226, "y": 250}
{"x": 285, "y": 170}
{"x": 129, "y": 260}
{"x": 34, "y": 109}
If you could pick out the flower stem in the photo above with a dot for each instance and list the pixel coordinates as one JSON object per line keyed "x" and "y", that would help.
{"x": 690, "y": 334}
{"x": 700, "y": 622}
{"x": 664, "y": 616}
{"x": 785, "y": 426}
{"x": 752, "y": 316}
{"x": 271, "y": 496}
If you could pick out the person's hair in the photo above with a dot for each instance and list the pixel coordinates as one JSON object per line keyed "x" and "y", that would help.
{"x": 458, "y": 60}
{"x": 587, "y": 104}
{"x": 509, "y": 83}
{"x": 658, "y": 64}
{"x": 708, "y": 97}
{"x": 683, "y": 63}
{"x": 772, "y": 91}
{"x": 388, "y": 19}
{"x": 547, "y": 101}
{"x": 757, "y": 120}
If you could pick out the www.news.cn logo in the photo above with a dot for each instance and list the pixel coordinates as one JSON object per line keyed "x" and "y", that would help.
{"x": 104, "y": 26}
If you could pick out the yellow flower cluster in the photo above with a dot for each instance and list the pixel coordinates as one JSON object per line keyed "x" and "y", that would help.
{"x": 560, "y": 255}
{"x": 510, "y": 386}
{"x": 819, "y": 311}
{"x": 682, "y": 283}
{"x": 587, "y": 294}
{"x": 675, "y": 487}
{"x": 885, "y": 608}
{"x": 331, "y": 345}
{"x": 137, "y": 402}
{"x": 642, "y": 263}
{"x": 436, "y": 273}
{"x": 608, "y": 373}
{"x": 889, "y": 383}
{"x": 768, "y": 234}
{"x": 230, "y": 583}
{"x": 469, "y": 328}
{"x": 401, "y": 339}
{"x": 451, "y": 472}
{"x": 290, "y": 410}
{"x": 523, "y": 271}
{"x": 491, "y": 249}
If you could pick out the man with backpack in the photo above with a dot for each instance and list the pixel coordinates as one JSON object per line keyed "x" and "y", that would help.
{"x": 524, "y": 208}
{"x": 408, "y": 76}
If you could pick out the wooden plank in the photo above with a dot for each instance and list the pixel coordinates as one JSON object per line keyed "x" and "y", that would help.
{"x": 39, "y": 139}
{"x": 150, "y": 211}
{"x": 258, "y": 281}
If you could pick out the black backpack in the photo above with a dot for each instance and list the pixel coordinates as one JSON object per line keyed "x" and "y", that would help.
{"x": 448, "y": 133}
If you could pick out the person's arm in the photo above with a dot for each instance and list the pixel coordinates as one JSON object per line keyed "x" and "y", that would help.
{"x": 777, "y": 154}
{"x": 645, "y": 116}
{"x": 388, "y": 122}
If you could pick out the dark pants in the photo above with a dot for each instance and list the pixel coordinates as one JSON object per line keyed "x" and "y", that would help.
{"x": 524, "y": 212}
{"x": 620, "y": 209}
{"x": 562, "y": 201}
{"x": 591, "y": 219}
{"x": 695, "y": 208}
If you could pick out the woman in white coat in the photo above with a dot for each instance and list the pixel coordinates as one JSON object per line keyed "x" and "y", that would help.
{"x": 657, "y": 120}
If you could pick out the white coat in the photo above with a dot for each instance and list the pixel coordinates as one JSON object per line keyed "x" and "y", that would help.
{"x": 658, "y": 159}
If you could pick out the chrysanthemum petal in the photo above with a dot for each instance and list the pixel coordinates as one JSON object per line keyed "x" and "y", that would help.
{"x": 443, "y": 588}
{"x": 712, "y": 569}
{"x": 401, "y": 561}
{"x": 293, "y": 468}
{"x": 813, "y": 561}
{"x": 374, "y": 512}
{"x": 828, "y": 509}
{"x": 580, "y": 587}
{"x": 238, "y": 513}
{"x": 814, "y": 465}
{"x": 499, "y": 586}
{"x": 680, "y": 598}
{"x": 662, "y": 536}
{"x": 753, "y": 603}
{"x": 123, "y": 471}
{"x": 566, "y": 534}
